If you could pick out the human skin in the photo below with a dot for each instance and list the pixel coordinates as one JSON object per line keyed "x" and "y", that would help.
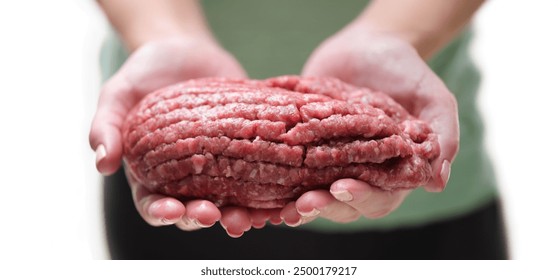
{"x": 385, "y": 49}
{"x": 170, "y": 42}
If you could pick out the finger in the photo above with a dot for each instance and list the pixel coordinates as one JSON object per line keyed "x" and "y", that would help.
{"x": 186, "y": 225}
{"x": 441, "y": 171}
{"x": 290, "y": 215}
{"x": 322, "y": 203}
{"x": 105, "y": 137}
{"x": 235, "y": 220}
{"x": 259, "y": 217}
{"x": 155, "y": 209}
{"x": 441, "y": 113}
{"x": 369, "y": 201}
{"x": 448, "y": 139}
{"x": 203, "y": 213}
{"x": 275, "y": 216}
{"x": 293, "y": 218}
{"x": 199, "y": 214}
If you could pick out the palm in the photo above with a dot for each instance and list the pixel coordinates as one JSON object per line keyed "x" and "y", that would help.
{"x": 163, "y": 63}
{"x": 385, "y": 63}
{"x": 379, "y": 62}
{"x": 153, "y": 66}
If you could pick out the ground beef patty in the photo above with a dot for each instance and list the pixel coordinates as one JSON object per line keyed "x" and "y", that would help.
{"x": 263, "y": 143}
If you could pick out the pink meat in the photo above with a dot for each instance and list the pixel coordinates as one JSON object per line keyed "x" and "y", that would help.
{"x": 263, "y": 143}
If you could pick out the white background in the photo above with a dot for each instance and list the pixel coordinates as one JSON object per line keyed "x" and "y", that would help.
{"x": 50, "y": 207}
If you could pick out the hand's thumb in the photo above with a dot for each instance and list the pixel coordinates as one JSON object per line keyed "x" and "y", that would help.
{"x": 310, "y": 69}
{"x": 105, "y": 136}
{"x": 443, "y": 117}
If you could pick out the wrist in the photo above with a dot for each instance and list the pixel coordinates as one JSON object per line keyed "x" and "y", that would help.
{"x": 427, "y": 25}
{"x": 142, "y": 21}
{"x": 425, "y": 41}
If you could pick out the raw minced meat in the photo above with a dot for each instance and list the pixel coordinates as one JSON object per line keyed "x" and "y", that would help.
{"x": 263, "y": 143}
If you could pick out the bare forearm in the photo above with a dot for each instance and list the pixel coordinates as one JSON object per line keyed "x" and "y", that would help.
{"x": 427, "y": 24}
{"x": 140, "y": 21}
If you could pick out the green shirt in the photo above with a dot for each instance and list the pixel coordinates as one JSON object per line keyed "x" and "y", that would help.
{"x": 271, "y": 38}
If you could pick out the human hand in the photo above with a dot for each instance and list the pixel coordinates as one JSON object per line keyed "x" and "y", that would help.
{"x": 381, "y": 61}
{"x": 152, "y": 66}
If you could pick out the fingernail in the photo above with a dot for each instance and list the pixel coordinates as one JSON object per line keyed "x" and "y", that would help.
{"x": 200, "y": 224}
{"x": 313, "y": 213}
{"x": 100, "y": 153}
{"x": 446, "y": 171}
{"x": 295, "y": 224}
{"x": 153, "y": 209}
{"x": 275, "y": 220}
{"x": 166, "y": 221}
{"x": 234, "y": 235}
{"x": 343, "y": 195}
{"x": 231, "y": 234}
{"x": 258, "y": 225}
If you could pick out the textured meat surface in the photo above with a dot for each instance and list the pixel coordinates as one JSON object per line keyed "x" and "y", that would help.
{"x": 263, "y": 143}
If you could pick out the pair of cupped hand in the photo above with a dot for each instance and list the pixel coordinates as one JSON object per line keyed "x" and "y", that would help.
{"x": 355, "y": 55}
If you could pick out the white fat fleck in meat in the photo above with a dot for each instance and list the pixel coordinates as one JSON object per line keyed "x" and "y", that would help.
{"x": 427, "y": 147}
{"x": 198, "y": 162}
{"x": 261, "y": 167}
{"x": 228, "y": 171}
